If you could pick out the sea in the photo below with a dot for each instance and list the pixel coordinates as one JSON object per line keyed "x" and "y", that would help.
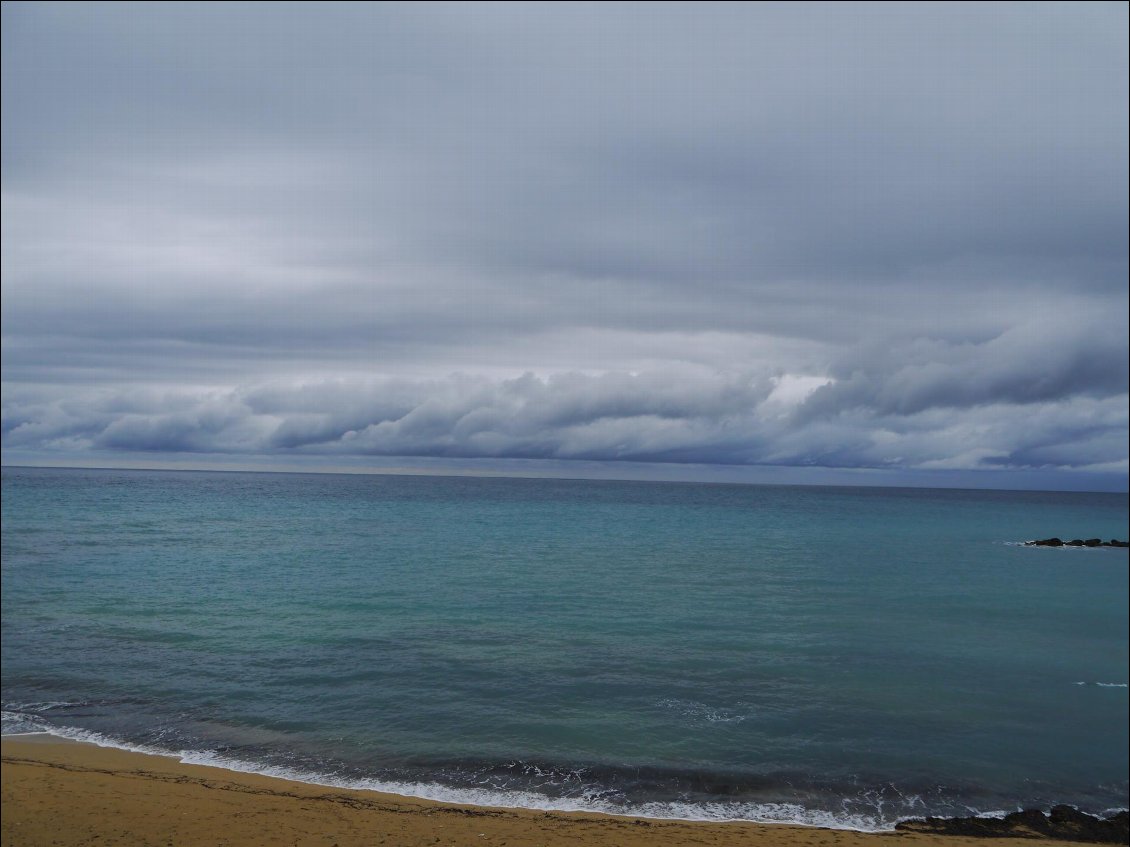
{"x": 844, "y": 657}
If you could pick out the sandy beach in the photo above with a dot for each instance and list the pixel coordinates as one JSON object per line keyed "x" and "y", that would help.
{"x": 58, "y": 792}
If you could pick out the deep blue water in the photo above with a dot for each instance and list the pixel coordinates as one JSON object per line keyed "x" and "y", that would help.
{"x": 841, "y": 655}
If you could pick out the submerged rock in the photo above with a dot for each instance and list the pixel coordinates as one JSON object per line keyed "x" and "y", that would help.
{"x": 1063, "y": 823}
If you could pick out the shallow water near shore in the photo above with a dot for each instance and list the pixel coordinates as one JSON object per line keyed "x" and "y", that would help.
{"x": 820, "y": 655}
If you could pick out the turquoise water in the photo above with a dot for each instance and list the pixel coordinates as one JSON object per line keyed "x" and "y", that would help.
{"x": 824, "y": 655}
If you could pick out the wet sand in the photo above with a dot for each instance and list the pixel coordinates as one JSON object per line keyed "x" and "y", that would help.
{"x": 58, "y": 792}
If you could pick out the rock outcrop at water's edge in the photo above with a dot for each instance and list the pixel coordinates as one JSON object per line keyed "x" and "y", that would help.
{"x": 1077, "y": 542}
{"x": 1063, "y": 823}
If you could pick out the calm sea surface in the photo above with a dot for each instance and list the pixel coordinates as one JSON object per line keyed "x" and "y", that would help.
{"x": 827, "y": 655}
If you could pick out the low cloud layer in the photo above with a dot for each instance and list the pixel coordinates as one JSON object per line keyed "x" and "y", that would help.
{"x": 844, "y": 236}
{"x": 688, "y": 418}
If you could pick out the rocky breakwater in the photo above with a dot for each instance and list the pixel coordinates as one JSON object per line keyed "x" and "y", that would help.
{"x": 1063, "y": 823}
{"x": 1077, "y": 542}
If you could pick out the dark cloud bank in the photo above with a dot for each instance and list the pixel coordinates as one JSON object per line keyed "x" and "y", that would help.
{"x": 888, "y": 240}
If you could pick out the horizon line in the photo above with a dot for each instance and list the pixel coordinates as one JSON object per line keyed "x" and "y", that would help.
{"x": 506, "y": 474}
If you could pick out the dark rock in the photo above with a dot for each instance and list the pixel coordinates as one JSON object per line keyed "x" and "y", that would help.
{"x": 1069, "y": 816}
{"x": 973, "y": 827}
{"x": 1064, "y": 823}
{"x": 1029, "y": 819}
{"x": 1069, "y": 824}
{"x": 1121, "y": 824}
{"x": 1076, "y": 542}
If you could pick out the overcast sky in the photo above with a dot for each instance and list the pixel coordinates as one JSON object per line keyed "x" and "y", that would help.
{"x": 782, "y": 242}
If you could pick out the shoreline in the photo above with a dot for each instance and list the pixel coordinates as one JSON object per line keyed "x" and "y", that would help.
{"x": 497, "y": 799}
{"x": 62, "y": 791}
{"x": 773, "y": 814}
{"x": 540, "y": 804}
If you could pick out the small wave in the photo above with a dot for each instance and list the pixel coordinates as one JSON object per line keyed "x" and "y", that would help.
{"x": 702, "y": 712}
{"x": 1104, "y": 684}
{"x": 20, "y": 718}
{"x": 46, "y": 705}
{"x": 17, "y": 723}
{"x": 84, "y": 735}
{"x": 877, "y": 817}
{"x": 593, "y": 801}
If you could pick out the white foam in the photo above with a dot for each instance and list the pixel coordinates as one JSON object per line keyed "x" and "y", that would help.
{"x": 15, "y": 723}
{"x": 774, "y": 813}
{"x": 781, "y": 813}
{"x": 46, "y": 705}
{"x": 702, "y": 712}
{"x": 86, "y": 736}
{"x": 1104, "y": 684}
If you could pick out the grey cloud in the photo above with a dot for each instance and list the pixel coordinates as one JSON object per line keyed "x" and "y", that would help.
{"x": 611, "y": 417}
{"x": 563, "y": 415}
{"x": 337, "y": 207}
{"x": 1047, "y": 360}
{"x": 624, "y": 143}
